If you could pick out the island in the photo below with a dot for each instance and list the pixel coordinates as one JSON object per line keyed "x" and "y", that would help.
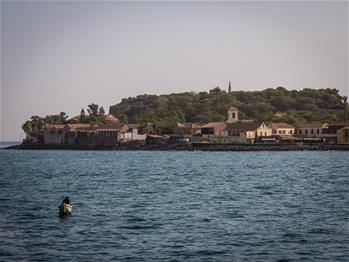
{"x": 218, "y": 120}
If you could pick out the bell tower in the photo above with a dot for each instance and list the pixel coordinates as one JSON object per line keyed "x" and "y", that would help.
{"x": 232, "y": 115}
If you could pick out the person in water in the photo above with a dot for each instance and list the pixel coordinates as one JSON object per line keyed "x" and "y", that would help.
{"x": 66, "y": 201}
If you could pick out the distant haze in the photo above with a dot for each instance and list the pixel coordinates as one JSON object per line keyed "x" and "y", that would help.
{"x": 62, "y": 56}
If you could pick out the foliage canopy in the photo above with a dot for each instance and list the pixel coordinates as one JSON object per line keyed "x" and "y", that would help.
{"x": 295, "y": 107}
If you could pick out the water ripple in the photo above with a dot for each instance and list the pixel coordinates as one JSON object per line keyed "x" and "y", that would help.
{"x": 174, "y": 206}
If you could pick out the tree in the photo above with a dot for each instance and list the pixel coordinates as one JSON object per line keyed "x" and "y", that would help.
{"x": 82, "y": 116}
{"x": 101, "y": 111}
{"x": 63, "y": 117}
{"x": 28, "y": 127}
{"x": 93, "y": 109}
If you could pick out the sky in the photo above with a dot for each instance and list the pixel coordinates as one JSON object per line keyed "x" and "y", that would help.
{"x": 62, "y": 56}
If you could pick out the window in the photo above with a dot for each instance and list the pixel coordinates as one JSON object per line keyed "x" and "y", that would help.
{"x": 318, "y": 131}
{"x": 300, "y": 131}
{"x": 233, "y": 115}
{"x": 306, "y": 131}
{"x": 290, "y": 132}
{"x": 261, "y": 133}
{"x": 311, "y": 131}
{"x": 265, "y": 133}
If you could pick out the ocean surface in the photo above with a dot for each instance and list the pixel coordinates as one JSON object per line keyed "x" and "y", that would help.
{"x": 174, "y": 206}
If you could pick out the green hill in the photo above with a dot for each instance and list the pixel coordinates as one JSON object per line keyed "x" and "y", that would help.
{"x": 307, "y": 105}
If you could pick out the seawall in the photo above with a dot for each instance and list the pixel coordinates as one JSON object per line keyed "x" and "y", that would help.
{"x": 191, "y": 147}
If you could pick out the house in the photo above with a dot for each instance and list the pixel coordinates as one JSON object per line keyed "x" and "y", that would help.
{"x": 107, "y": 134}
{"x": 278, "y": 114}
{"x": 343, "y": 135}
{"x": 311, "y": 132}
{"x": 109, "y": 118}
{"x": 188, "y": 129}
{"x": 83, "y": 136}
{"x": 129, "y": 132}
{"x": 71, "y": 135}
{"x": 196, "y": 129}
{"x": 263, "y": 130}
{"x": 112, "y": 119}
{"x": 310, "y": 129}
{"x": 330, "y": 133}
{"x": 242, "y": 132}
{"x": 54, "y": 134}
{"x": 282, "y": 129}
{"x": 212, "y": 129}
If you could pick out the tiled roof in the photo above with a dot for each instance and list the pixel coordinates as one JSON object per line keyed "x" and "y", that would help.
{"x": 213, "y": 124}
{"x": 280, "y": 125}
{"x": 243, "y": 126}
{"x": 112, "y": 119}
{"x": 309, "y": 125}
{"x": 74, "y": 126}
{"x": 57, "y": 126}
{"x": 339, "y": 124}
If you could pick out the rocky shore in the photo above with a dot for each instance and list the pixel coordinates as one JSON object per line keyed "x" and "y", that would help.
{"x": 190, "y": 147}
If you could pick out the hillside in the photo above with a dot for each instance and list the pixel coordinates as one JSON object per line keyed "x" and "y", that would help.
{"x": 307, "y": 105}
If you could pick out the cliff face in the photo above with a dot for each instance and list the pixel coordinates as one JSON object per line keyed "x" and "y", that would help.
{"x": 294, "y": 107}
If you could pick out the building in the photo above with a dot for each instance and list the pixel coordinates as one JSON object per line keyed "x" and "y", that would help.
{"x": 311, "y": 130}
{"x": 91, "y": 134}
{"x": 282, "y": 129}
{"x": 343, "y": 135}
{"x": 130, "y": 132}
{"x": 54, "y": 134}
{"x": 233, "y": 115}
{"x": 112, "y": 119}
{"x": 109, "y": 118}
{"x": 330, "y": 133}
{"x": 212, "y": 129}
{"x": 278, "y": 114}
{"x": 245, "y": 132}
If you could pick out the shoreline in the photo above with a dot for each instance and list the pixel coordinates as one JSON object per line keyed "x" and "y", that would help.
{"x": 190, "y": 147}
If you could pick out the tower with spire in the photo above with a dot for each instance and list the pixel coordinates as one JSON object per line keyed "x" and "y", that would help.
{"x": 229, "y": 88}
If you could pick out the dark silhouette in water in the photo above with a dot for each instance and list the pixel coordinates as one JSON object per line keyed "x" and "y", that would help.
{"x": 65, "y": 208}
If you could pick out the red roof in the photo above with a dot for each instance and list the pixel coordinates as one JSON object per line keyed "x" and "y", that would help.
{"x": 74, "y": 126}
{"x": 213, "y": 125}
{"x": 112, "y": 119}
{"x": 311, "y": 125}
{"x": 280, "y": 125}
{"x": 57, "y": 126}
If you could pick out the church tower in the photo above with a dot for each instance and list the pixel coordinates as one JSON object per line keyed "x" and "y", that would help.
{"x": 229, "y": 88}
{"x": 232, "y": 115}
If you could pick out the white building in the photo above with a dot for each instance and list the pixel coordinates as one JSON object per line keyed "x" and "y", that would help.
{"x": 232, "y": 115}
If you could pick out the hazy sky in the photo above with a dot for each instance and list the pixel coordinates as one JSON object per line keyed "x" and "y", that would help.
{"x": 61, "y": 56}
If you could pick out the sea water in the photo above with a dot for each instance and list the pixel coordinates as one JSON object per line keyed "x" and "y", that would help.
{"x": 174, "y": 206}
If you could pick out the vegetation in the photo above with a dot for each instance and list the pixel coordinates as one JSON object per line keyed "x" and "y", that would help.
{"x": 294, "y": 107}
{"x": 34, "y": 125}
